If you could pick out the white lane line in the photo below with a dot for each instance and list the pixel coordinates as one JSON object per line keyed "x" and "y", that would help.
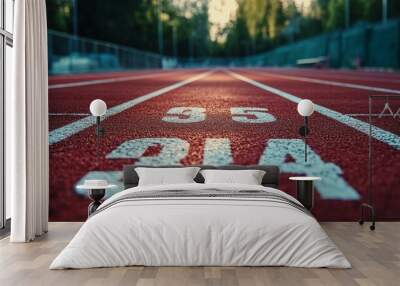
{"x": 372, "y": 114}
{"x": 102, "y": 81}
{"x": 337, "y": 74}
{"x": 384, "y": 136}
{"x": 334, "y": 83}
{"x": 68, "y": 130}
{"x": 346, "y": 77}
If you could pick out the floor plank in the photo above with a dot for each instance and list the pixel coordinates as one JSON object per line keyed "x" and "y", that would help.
{"x": 375, "y": 257}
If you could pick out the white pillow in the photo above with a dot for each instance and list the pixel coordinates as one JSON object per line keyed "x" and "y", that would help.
{"x": 166, "y": 176}
{"x": 247, "y": 177}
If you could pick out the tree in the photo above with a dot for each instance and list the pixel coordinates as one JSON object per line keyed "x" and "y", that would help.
{"x": 59, "y": 13}
{"x": 260, "y": 25}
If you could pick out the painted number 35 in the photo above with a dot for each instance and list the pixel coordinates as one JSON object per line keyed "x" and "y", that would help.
{"x": 198, "y": 114}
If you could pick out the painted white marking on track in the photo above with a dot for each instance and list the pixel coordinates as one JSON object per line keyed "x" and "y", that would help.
{"x": 100, "y": 81}
{"x": 372, "y": 115}
{"x": 335, "y": 83}
{"x": 217, "y": 152}
{"x": 185, "y": 115}
{"x": 382, "y": 135}
{"x": 251, "y": 115}
{"x": 173, "y": 150}
{"x": 336, "y": 73}
{"x": 332, "y": 185}
{"x": 68, "y": 130}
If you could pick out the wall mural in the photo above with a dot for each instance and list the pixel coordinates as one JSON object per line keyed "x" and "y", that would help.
{"x": 222, "y": 117}
{"x": 172, "y": 76}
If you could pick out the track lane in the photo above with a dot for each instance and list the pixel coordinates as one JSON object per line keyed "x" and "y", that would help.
{"x": 331, "y": 82}
{"x": 81, "y": 77}
{"x": 71, "y": 158}
{"x": 75, "y": 100}
{"x": 346, "y": 100}
{"x": 375, "y": 79}
{"x": 217, "y": 94}
{"x": 71, "y": 78}
{"x": 348, "y": 147}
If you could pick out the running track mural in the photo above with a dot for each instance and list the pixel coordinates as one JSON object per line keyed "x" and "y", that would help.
{"x": 227, "y": 116}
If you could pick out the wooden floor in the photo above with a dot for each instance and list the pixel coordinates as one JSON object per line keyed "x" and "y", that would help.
{"x": 375, "y": 257}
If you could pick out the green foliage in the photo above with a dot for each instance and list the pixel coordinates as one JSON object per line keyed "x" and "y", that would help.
{"x": 260, "y": 25}
{"x": 59, "y": 15}
{"x": 134, "y": 23}
{"x": 334, "y": 15}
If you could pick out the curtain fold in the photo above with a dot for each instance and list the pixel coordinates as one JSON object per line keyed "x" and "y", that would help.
{"x": 27, "y": 122}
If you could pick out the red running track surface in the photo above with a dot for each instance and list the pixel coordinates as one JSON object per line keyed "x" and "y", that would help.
{"x": 334, "y": 143}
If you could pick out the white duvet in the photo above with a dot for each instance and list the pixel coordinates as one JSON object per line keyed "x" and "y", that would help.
{"x": 194, "y": 231}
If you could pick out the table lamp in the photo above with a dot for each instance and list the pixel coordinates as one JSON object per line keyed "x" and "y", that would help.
{"x": 98, "y": 108}
{"x": 305, "y": 108}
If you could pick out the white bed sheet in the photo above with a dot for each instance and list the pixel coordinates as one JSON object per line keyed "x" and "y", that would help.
{"x": 193, "y": 231}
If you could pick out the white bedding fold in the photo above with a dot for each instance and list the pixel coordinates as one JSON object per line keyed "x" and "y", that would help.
{"x": 200, "y": 231}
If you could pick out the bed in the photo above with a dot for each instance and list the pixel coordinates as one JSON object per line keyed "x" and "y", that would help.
{"x": 198, "y": 224}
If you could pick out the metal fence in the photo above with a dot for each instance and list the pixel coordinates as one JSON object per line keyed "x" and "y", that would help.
{"x": 70, "y": 54}
{"x": 366, "y": 45}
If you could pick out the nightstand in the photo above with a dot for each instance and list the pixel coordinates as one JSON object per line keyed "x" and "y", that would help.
{"x": 305, "y": 190}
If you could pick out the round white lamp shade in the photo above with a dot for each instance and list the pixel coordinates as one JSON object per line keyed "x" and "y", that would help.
{"x": 305, "y": 107}
{"x": 98, "y": 107}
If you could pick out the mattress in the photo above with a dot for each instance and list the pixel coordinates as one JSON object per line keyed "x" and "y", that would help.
{"x": 201, "y": 225}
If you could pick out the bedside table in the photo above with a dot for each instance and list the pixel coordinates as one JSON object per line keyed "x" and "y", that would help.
{"x": 96, "y": 192}
{"x": 305, "y": 190}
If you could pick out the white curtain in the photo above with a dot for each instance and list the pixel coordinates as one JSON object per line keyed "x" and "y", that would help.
{"x": 27, "y": 154}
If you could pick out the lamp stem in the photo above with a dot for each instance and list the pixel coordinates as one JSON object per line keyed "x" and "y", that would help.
{"x": 98, "y": 126}
{"x": 305, "y": 148}
{"x": 97, "y": 140}
{"x": 305, "y": 137}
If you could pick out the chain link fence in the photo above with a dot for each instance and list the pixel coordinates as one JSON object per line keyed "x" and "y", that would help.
{"x": 365, "y": 45}
{"x": 69, "y": 54}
